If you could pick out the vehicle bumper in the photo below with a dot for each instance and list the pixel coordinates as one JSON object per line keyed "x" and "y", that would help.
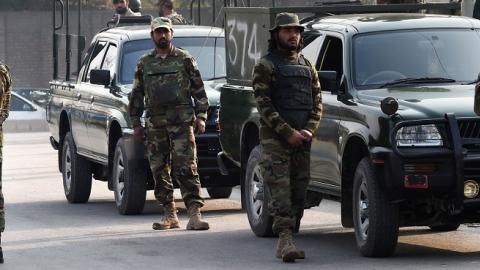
{"x": 208, "y": 147}
{"x": 432, "y": 171}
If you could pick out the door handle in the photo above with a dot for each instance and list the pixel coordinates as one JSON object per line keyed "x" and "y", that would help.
{"x": 79, "y": 96}
{"x": 92, "y": 99}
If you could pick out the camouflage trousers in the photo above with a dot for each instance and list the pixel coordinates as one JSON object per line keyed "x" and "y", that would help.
{"x": 2, "y": 203}
{"x": 286, "y": 173}
{"x": 172, "y": 153}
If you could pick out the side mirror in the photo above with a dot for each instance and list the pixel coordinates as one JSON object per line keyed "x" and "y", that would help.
{"x": 100, "y": 76}
{"x": 328, "y": 80}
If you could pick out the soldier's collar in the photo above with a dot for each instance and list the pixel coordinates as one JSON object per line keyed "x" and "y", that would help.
{"x": 173, "y": 52}
{"x": 286, "y": 53}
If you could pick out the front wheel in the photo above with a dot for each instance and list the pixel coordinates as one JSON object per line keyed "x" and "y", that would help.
{"x": 129, "y": 182}
{"x": 257, "y": 196}
{"x": 375, "y": 218}
{"x": 76, "y": 172}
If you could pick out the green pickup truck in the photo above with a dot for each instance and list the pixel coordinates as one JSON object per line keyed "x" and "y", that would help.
{"x": 398, "y": 144}
{"x": 89, "y": 122}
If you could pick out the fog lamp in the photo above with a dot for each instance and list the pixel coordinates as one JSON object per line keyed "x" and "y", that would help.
{"x": 470, "y": 189}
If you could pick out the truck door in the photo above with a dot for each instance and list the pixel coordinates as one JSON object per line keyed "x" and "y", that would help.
{"x": 101, "y": 106}
{"x": 83, "y": 99}
{"x": 324, "y": 168}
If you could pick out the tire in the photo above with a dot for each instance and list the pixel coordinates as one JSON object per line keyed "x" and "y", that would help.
{"x": 76, "y": 172}
{"x": 129, "y": 182}
{"x": 219, "y": 192}
{"x": 257, "y": 204}
{"x": 446, "y": 227}
{"x": 375, "y": 219}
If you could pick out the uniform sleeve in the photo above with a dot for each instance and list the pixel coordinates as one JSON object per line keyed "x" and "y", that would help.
{"x": 5, "y": 90}
{"x": 136, "y": 104}
{"x": 262, "y": 80}
{"x": 197, "y": 89}
{"x": 316, "y": 113}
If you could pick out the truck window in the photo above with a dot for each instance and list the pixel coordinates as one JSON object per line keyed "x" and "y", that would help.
{"x": 207, "y": 51}
{"x": 331, "y": 56}
{"x": 110, "y": 59}
{"x": 86, "y": 57}
{"x": 96, "y": 59}
{"x": 18, "y": 105}
{"x": 312, "y": 50}
{"x": 379, "y": 58}
{"x": 220, "y": 65}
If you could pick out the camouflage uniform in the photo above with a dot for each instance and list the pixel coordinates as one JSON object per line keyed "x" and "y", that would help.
{"x": 165, "y": 88}
{"x": 286, "y": 169}
{"x": 5, "y": 88}
{"x": 178, "y": 19}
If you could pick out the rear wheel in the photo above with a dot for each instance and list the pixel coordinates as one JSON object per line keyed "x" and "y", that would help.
{"x": 76, "y": 172}
{"x": 219, "y": 192}
{"x": 129, "y": 182}
{"x": 257, "y": 196}
{"x": 375, "y": 218}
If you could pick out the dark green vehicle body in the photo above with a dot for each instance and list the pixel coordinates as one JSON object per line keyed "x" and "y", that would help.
{"x": 90, "y": 115}
{"x": 422, "y": 184}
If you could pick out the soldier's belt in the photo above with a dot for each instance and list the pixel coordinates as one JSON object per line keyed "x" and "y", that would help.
{"x": 152, "y": 111}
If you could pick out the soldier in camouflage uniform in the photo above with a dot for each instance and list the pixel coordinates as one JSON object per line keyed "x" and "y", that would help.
{"x": 287, "y": 91}
{"x": 165, "y": 9}
{"x": 122, "y": 8}
{"x": 166, "y": 80}
{"x": 5, "y": 89}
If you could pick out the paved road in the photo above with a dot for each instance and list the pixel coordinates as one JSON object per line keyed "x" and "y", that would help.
{"x": 45, "y": 232}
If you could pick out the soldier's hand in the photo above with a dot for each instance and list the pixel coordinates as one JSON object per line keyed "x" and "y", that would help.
{"x": 199, "y": 126}
{"x": 296, "y": 139}
{"x": 139, "y": 134}
{"x": 307, "y": 134}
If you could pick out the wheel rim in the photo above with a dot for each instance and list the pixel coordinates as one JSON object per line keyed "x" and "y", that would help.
{"x": 119, "y": 179}
{"x": 256, "y": 192}
{"x": 68, "y": 168}
{"x": 362, "y": 210}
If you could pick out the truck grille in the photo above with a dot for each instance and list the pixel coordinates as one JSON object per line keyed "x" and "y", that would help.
{"x": 471, "y": 169}
{"x": 469, "y": 129}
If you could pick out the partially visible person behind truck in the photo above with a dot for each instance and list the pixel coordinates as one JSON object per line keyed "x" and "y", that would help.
{"x": 165, "y": 9}
{"x": 135, "y": 6}
{"x": 122, "y": 8}
{"x": 5, "y": 89}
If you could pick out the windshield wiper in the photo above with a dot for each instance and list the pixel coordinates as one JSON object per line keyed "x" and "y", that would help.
{"x": 418, "y": 80}
{"x": 218, "y": 78}
{"x": 473, "y": 82}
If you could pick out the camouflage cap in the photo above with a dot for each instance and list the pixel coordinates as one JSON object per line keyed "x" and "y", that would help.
{"x": 161, "y": 22}
{"x": 285, "y": 19}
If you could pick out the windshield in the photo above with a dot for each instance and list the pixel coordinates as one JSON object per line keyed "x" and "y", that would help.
{"x": 385, "y": 57}
{"x": 209, "y": 53}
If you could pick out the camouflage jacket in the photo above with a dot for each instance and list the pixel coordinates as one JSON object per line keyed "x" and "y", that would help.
{"x": 164, "y": 87}
{"x": 5, "y": 89}
{"x": 272, "y": 123}
{"x": 178, "y": 19}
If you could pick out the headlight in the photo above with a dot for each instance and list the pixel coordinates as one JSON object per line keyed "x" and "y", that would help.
{"x": 421, "y": 135}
